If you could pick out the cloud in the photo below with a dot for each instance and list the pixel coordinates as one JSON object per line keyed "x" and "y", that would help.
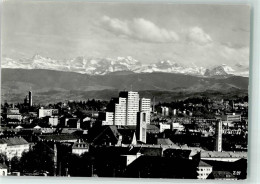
{"x": 198, "y": 36}
{"x": 140, "y": 29}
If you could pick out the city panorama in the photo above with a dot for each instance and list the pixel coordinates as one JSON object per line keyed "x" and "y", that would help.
{"x": 124, "y": 90}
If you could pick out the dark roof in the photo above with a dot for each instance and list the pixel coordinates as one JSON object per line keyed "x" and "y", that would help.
{"x": 59, "y": 137}
{"x": 224, "y": 154}
{"x": 162, "y": 167}
{"x": 222, "y": 175}
{"x": 152, "y": 128}
{"x": 203, "y": 164}
{"x": 13, "y": 141}
{"x": 163, "y": 141}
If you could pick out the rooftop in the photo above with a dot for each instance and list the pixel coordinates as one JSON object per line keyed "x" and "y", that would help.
{"x": 3, "y": 166}
{"x": 223, "y": 154}
{"x": 13, "y": 141}
{"x": 203, "y": 164}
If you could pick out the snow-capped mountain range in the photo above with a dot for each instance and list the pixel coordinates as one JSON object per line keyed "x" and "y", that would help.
{"x": 102, "y": 66}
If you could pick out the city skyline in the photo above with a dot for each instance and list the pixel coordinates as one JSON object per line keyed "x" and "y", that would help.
{"x": 147, "y": 32}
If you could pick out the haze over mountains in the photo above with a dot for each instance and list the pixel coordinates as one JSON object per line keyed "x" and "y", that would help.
{"x": 103, "y": 66}
{"x": 50, "y": 85}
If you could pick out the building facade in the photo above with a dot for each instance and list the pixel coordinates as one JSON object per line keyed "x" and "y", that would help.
{"x": 141, "y": 126}
{"x": 132, "y": 106}
{"x": 145, "y": 106}
{"x": 14, "y": 146}
{"x": 47, "y": 112}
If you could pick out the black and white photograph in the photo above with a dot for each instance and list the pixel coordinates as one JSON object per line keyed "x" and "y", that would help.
{"x": 124, "y": 90}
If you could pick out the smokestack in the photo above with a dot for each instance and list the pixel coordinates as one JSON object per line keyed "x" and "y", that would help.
{"x": 30, "y": 99}
{"x": 218, "y": 136}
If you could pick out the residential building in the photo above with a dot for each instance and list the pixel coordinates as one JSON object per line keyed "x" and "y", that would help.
{"x": 231, "y": 117}
{"x": 120, "y": 112}
{"x": 107, "y": 118}
{"x": 54, "y": 120}
{"x": 47, "y": 112}
{"x": 14, "y": 146}
{"x": 225, "y": 156}
{"x": 13, "y": 114}
{"x": 165, "y": 111}
{"x": 3, "y": 170}
{"x": 203, "y": 170}
{"x": 80, "y": 147}
{"x": 164, "y": 127}
{"x": 145, "y": 106}
{"x": 132, "y": 106}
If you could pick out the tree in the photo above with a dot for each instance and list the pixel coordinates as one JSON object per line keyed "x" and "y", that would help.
{"x": 3, "y": 158}
{"x": 15, "y": 164}
{"x": 39, "y": 159}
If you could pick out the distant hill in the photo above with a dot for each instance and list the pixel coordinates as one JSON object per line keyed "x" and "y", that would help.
{"x": 50, "y": 84}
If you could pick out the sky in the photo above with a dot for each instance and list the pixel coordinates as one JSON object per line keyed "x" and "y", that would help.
{"x": 203, "y": 35}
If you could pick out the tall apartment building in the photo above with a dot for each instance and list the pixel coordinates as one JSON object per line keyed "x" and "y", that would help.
{"x": 132, "y": 106}
{"x": 123, "y": 110}
{"x": 120, "y": 112}
{"x": 165, "y": 111}
{"x": 145, "y": 106}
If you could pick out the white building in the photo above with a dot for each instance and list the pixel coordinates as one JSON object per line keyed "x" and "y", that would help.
{"x": 123, "y": 110}
{"x": 47, "y": 112}
{"x": 164, "y": 127}
{"x": 132, "y": 106}
{"x": 14, "y": 146}
{"x": 80, "y": 147}
{"x": 165, "y": 111}
{"x": 203, "y": 170}
{"x": 145, "y": 106}
{"x": 177, "y": 126}
{"x": 3, "y": 170}
{"x": 53, "y": 121}
{"x": 120, "y": 112}
{"x": 107, "y": 118}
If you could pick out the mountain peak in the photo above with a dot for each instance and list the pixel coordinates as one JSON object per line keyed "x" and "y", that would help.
{"x": 102, "y": 66}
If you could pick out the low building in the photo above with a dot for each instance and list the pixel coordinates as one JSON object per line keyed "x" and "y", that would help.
{"x": 54, "y": 120}
{"x": 222, "y": 175}
{"x": 203, "y": 170}
{"x": 15, "y": 146}
{"x": 59, "y": 138}
{"x": 47, "y": 112}
{"x": 80, "y": 147}
{"x": 164, "y": 127}
{"x": 165, "y": 111}
{"x": 231, "y": 117}
{"x": 107, "y": 118}
{"x": 226, "y": 156}
{"x": 3, "y": 170}
{"x": 177, "y": 126}
{"x": 13, "y": 114}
